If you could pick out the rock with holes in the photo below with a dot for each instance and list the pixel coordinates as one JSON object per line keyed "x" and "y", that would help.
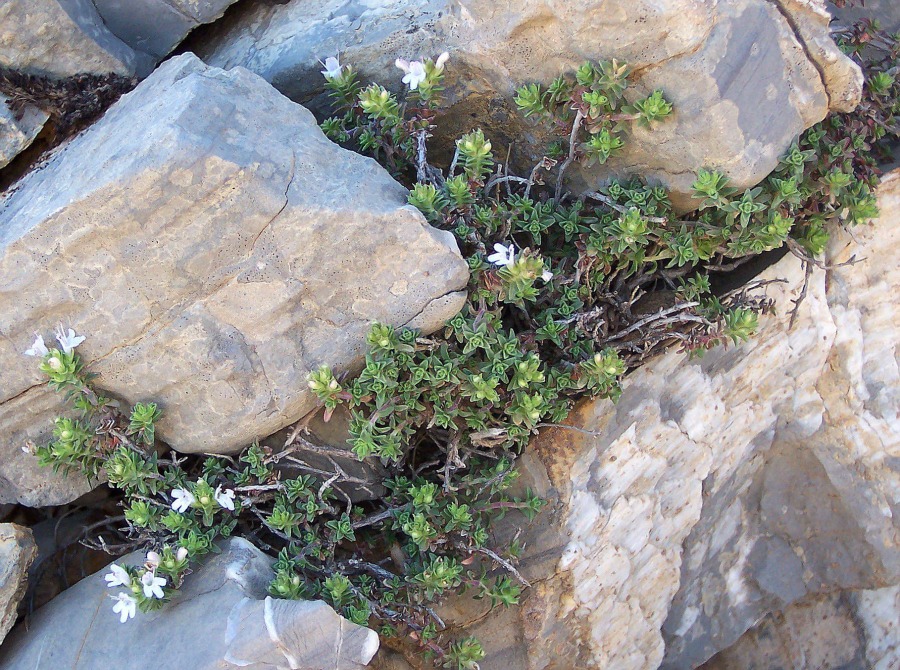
{"x": 225, "y": 599}
{"x": 61, "y": 38}
{"x": 155, "y": 27}
{"x": 17, "y": 129}
{"x": 746, "y": 76}
{"x": 17, "y": 551}
{"x": 720, "y": 489}
{"x": 213, "y": 255}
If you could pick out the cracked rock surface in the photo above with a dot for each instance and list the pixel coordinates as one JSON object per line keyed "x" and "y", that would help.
{"x": 224, "y": 601}
{"x": 214, "y": 253}
{"x": 746, "y": 76}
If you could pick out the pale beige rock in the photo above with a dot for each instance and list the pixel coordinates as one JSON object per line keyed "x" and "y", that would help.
{"x": 213, "y": 255}
{"x": 17, "y": 551}
{"x": 220, "y": 618}
{"x": 720, "y": 489}
{"x": 746, "y": 76}
{"x": 851, "y": 629}
{"x": 61, "y": 38}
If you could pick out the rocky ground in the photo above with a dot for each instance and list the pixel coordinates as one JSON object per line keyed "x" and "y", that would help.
{"x": 735, "y": 511}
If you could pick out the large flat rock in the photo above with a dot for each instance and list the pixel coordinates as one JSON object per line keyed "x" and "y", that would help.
{"x": 746, "y": 76}
{"x": 214, "y": 247}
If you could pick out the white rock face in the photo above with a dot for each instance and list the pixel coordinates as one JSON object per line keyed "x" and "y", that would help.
{"x": 213, "y": 255}
{"x": 717, "y": 490}
{"x": 746, "y": 76}
{"x": 220, "y": 618}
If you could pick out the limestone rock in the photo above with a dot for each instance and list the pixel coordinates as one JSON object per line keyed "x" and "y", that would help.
{"x": 17, "y": 551}
{"x": 855, "y": 629}
{"x": 61, "y": 38}
{"x": 155, "y": 27}
{"x": 746, "y": 76}
{"x": 224, "y": 602}
{"x": 17, "y": 134}
{"x": 719, "y": 489}
{"x": 886, "y": 12}
{"x": 213, "y": 255}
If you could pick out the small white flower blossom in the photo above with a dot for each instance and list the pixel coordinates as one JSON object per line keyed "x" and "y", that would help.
{"x": 152, "y": 585}
{"x": 415, "y": 72}
{"x": 54, "y": 363}
{"x": 68, "y": 340}
{"x": 441, "y": 60}
{"x": 125, "y": 607}
{"x": 38, "y": 348}
{"x": 225, "y": 498}
{"x": 183, "y": 500}
{"x": 503, "y": 255}
{"x": 181, "y": 554}
{"x": 547, "y": 275}
{"x": 153, "y": 560}
{"x": 117, "y": 576}
{"x": 333, "y": 67}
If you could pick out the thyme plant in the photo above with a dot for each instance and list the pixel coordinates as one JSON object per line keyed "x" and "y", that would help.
{"x": 566, "y": 293}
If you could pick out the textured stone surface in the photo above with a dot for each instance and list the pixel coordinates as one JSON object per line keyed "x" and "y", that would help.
{"x": 17, "y": 134}
{"x": 854, "y": 629}
{"x": 60, "y": 38}
{"x": 213, "y": 255}
{"x": 220, "y": 618}
{"x": 17, "y": 551}
{"x": 886, "y": 12}
{"x": 155, "y": 27}
{"x": 746, "y": 76}
{"x": 720, "y": 489}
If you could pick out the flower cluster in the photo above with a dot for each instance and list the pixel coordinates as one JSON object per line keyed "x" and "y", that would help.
{"x": 145, "y": 589}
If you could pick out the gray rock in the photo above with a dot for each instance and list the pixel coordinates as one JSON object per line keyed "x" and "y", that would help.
{"x": 155, "y": 27}
{"x": 746, "y": 76}
{"x": 213, "y": 255}
{"x": 886, "y": 12}
{"x": 17, "y": 134}
{"x": 61, "y": 38}
{"x": 221, "y": 617}
{"x": 17, "y": 551}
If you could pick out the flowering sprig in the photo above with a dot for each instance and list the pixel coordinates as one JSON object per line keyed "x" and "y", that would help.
{"x": 424, "y": 77}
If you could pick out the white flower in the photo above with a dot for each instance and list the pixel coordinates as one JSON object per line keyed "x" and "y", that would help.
{"x": 117, "y": 576}
{"x": 225, "y": 498}
{"x": 181, "y": 554}
{"x": 332, "y": 67}
{"x": 55, "y": 363}
{"x": 152, "y": 585}
{"x": 503, "y": 256}
{"x": 415, "y": 72}
{"x": 125, "y": 607}
{"x": 439, "y": 63}
{"x": 183, "y": 500}
{"x": 547, "y": 275}
{"x": 38, "y": 348}
{"x": 152, "y": 561}
{"x": 68, "y": 341}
